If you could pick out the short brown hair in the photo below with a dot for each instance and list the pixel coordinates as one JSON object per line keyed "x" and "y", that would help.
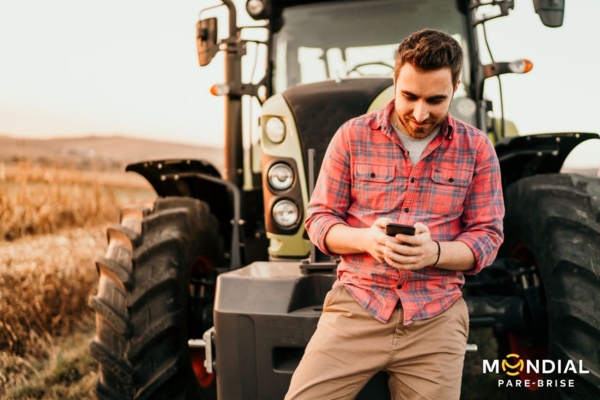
{"x": 429, "y": 50}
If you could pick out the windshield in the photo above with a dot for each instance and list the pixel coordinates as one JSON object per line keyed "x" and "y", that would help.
{"x": 356, "y": 38}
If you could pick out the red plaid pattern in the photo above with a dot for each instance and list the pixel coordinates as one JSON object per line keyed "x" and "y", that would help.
{"x": 455, "y": 190}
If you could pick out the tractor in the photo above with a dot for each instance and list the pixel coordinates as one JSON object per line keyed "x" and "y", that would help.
{"x": 213, "y": 289}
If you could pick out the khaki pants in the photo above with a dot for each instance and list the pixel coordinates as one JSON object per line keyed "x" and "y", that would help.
{"x": 424, "y": 359}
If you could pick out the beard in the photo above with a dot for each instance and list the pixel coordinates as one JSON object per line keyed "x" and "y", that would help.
{"x": 419, "y": 131}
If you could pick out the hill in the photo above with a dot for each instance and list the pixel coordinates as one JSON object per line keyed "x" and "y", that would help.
{"x": 112, "y": 152}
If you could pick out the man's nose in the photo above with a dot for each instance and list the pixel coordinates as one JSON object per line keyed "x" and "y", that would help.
{"x": 421, "y": 111}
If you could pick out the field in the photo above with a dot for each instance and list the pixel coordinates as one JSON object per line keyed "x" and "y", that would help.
{"x": 52, "y": 224}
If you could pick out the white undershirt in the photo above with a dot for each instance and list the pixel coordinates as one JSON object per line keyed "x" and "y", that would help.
{"x": 415, "y": 147}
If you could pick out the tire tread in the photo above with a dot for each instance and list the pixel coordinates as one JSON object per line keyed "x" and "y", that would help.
{"x": 150, "y": 255}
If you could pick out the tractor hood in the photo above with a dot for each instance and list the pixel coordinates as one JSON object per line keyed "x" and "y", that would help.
{"x": 321, "y": 108}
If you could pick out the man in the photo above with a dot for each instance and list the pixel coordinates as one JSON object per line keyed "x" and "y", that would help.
{"x": 396, "y": 305}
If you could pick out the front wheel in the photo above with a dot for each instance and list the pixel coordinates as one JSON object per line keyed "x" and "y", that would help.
{"x": 553, "y": 224}
{"x": 156, "y": 278}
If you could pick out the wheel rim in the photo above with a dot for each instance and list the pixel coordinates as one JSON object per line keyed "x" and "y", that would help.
{"x": 523, "y": 253}
{"x": 201, "y": 267}
{"x": 204, "y": 378}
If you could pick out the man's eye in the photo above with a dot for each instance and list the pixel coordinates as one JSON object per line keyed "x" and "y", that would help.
{"x": 435, "y": 101}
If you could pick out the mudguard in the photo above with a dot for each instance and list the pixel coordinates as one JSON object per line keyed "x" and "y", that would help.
{"x": 152, "y": 171}
{"x": 522, "y": 156}
{"x": 216, "y": 195}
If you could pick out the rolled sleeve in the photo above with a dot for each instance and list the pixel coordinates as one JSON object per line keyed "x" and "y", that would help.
{"x": 331, "y": 197}
{"x": 484, "y": 209}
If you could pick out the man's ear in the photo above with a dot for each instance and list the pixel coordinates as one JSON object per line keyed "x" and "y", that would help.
{"x": 457, "y": 85}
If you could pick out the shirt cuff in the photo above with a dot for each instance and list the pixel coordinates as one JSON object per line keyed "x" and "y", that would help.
{"x": 483, "y": 250}
{"x": 317, "y": 232}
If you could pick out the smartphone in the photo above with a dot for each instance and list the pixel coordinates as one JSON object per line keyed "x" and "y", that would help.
{"x": 394, "y": 229}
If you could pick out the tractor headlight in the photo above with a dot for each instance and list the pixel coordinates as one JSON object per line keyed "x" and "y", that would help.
{"x": 275, "y": 129}
{"x": 285, "y": 213}
{"x": 280, "y": 176}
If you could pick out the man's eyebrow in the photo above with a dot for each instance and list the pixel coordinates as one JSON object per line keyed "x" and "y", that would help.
{"x": 437, "y": 97}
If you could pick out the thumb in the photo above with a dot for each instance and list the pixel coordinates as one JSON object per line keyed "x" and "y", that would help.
{"x": 382, "y": 222}
{"x": 420, "y": 228}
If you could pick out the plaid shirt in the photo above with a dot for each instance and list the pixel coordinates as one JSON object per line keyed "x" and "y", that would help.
{"x": 455, "y": 190}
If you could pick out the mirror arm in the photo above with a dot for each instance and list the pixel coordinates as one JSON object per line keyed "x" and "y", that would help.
{"x": 248, "y": 89}
{"x": 505, "y": 7}
{"x": 208, "y": 8}
{"x": 233, "y": 45}
{"x": 256, "y": 41}
{"x": 233, "y": 29}
{"x": 254, "y": 26}
{"x": 475, "y": 23}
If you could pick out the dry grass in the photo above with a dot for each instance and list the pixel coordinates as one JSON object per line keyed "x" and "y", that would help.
{"x": 44, "y": 287}
{"x": 51, "y": 231}
{"x": 39, "y": 173}
{"x": 68, "y": 372}
{"x": 52, "y": 228}
{"x": 38, "y": 199}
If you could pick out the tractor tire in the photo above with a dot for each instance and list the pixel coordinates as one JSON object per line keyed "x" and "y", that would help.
{"x": 553, "y": 223}
{"x": 142, "y": 326}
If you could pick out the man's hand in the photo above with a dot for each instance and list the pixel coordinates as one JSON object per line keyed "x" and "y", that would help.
{"x": 376, "y": 239}
{"x": 402, "y": 252}
{"x": 343, "y": 239}
{"x": 405, "y": 252}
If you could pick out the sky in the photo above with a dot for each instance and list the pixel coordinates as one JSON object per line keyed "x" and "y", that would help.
{"x": 73, "y": 68}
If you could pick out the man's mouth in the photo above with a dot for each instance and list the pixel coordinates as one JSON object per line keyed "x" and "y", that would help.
{"x": 419, "y": 125}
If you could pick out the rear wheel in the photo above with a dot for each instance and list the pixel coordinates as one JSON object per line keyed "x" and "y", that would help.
{"x": 155, "y": 284}
{"x": 553, "y": 223}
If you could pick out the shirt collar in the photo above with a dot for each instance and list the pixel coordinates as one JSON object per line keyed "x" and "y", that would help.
{"x": 381, "y": 120}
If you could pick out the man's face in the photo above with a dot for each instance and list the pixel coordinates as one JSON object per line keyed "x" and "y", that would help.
{"x": 422, "y": 100}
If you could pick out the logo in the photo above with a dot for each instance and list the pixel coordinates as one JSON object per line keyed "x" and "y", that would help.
{"x": 531, "y": 372}
{"x": 506, "y": 367}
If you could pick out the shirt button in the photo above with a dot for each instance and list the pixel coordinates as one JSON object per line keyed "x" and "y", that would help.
{"x": 406, "y": 209}
{"x": 372, "y": 174}
{"x": 399, "y": 286}
{"x": 412, "y": 180}
{"x": 451, "y": 180}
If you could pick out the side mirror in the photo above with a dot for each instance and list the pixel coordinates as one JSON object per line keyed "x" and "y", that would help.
{"x": 206, "y": 40}
{"x": 551, "y": 12}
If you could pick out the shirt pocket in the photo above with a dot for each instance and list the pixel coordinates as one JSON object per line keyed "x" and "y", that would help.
{"x": 373, "y": 186}
{"x": 447, "y": 190}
